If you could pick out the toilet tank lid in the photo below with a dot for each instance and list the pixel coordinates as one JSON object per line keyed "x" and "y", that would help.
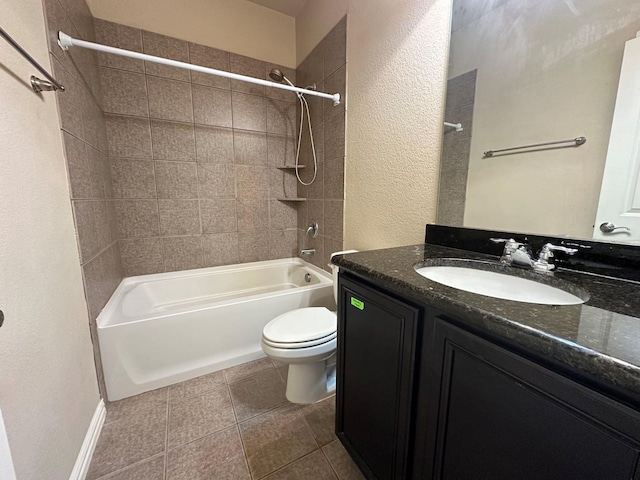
{"x": 301, "y": 325}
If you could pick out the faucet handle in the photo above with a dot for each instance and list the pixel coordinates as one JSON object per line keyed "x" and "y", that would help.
{"x": 549, "y": 248}
{"x": 510, "y": 247}
{"x": 507, "y": 241}
{"x": 544, "y": 264}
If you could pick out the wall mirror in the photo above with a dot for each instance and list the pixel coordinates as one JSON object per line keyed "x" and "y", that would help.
{"x": 523, "y": 73}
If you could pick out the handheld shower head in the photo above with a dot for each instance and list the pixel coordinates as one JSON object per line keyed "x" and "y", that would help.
{"x": 277, "y": 76}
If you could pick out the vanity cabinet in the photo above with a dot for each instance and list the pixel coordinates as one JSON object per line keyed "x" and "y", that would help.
{"x": 421, "y": 397}
{"x": 492, "y": 414}
{"x": 376, "y": 368}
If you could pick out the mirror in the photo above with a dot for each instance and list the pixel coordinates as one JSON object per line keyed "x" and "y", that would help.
{"x": 523, "y": 73}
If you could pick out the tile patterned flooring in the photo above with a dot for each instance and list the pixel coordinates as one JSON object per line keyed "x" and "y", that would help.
{"x": 232, "y": 424}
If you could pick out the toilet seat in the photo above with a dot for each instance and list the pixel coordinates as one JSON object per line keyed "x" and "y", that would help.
{"x": 301, "y": 328}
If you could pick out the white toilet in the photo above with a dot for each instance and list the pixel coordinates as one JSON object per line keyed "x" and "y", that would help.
{"x": 305, "y": 339}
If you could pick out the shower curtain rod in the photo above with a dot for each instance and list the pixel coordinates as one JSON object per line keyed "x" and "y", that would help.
{"x": 65, "y": 41}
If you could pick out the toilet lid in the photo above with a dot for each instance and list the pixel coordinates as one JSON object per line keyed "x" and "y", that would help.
{"x": 301, "y": 325}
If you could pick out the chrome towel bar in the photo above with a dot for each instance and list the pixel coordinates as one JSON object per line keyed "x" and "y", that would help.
{"x": 576, "y": 141}
{"x": 37, "y": 84}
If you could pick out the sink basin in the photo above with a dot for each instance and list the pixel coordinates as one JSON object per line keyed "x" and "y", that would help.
{"x": 498, "y": 285}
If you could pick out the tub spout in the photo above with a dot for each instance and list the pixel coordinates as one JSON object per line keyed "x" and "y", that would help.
{"x": 307, "y": 251}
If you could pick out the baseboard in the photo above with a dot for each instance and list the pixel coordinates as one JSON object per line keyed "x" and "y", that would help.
{"x": 81, "y": 467}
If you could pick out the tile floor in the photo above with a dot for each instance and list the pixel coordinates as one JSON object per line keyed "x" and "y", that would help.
{"x": 232, "y": 424}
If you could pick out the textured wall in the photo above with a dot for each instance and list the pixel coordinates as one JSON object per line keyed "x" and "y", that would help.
{"x": 396, "y": 57}
{"x": 85, "y": 143}
{"x": 326, "y": 67}
{"x": 236, "y": 26}
{"x": 194, "y": 158}
{"x": 48, "y": 389}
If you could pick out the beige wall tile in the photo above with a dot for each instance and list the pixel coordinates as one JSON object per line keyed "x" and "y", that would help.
{"x": 216, "y": 181}
{"x": 136, "y": 218}
{"x": 141, "y": 256}
{"x": 220, "y": 249}
{"x": 212, "y": 106}
{"x": 281, "y": 117}
{"x": 249, "y": 67}
{"x": 169, "y": 99}
{"x": 176, "y": 180}
{"x": 249, "y": 112}
{"x": 282, "y": 215}
{"x": 250, "y": 148}
{"x": 132, "y": 178}
{"x": 214, "y": 144}
{"x": 182, "y": 253}
{"x": 119, "y": 36}
{"x": 179, "y": 217}
{"x": 173, "y": 141}
{"x": 124, "y": 92}
{"x": 129, "y": 137}
{"x": 253, "y": 246}
{"x": 283, "y": 244}
{"x": 252, "y": 181}
{"x": 166, "y": 47}
{"x": 210, "y": 58}
{"x": 218, "y": 216}
{"x": 252, "y": 215}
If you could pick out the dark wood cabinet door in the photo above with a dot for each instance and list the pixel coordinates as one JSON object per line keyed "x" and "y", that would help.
{"x": 502, "y": 417}
{"x": 376, "y": 357}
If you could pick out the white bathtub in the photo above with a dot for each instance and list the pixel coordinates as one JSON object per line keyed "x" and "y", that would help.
{"x": 160, "y": 329}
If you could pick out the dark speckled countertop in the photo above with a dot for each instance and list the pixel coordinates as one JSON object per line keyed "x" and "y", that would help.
{"x": 598, "y": 340}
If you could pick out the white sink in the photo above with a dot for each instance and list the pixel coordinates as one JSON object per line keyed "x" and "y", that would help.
{"x": 498, "y": 285}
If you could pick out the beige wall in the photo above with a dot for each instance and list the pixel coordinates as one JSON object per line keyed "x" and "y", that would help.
{"x": 237, "y": 26}
{"x": 396, "y": 62}
{"x": 48, "y": 389}
{"x": 544, "y": 74}
{"x": 314, "y": 22}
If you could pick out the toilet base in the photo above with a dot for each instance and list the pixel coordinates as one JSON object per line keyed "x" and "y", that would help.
{"x": 310, "y": 382}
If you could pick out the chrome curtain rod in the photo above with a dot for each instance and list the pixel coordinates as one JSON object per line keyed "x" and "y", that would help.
{"x": 65, "y": 42}
{"x": 37, "y": 84}
{"x": 576, "y": 141}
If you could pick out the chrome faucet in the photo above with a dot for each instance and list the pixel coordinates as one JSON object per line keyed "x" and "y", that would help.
{"x": 545, "y": 264}
{"x": 519, "y": 255}
{"x": 307, "y": 251}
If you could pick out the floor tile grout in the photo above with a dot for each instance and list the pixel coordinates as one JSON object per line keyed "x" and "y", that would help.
{"x": 120, "y": 470}
{"x": 311, "y": 432}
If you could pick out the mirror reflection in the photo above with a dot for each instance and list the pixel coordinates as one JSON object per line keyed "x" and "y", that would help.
{"x": 524, "y": 73}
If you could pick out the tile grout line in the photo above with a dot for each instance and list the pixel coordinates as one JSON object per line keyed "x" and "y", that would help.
{"x": 127, "y": 467}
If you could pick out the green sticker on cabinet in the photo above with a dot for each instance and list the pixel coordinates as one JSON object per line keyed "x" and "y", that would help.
{"x": 359, "y": 304}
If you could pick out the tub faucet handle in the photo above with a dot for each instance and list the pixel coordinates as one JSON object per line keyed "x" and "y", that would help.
{"x": 313, "y": 229}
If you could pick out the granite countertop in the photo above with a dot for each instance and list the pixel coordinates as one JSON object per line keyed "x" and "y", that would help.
{"x": 599, "y": 340}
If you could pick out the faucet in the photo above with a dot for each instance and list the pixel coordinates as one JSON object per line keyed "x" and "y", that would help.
{"x": 519, "y": 254}
{"x": 307, "y": 251}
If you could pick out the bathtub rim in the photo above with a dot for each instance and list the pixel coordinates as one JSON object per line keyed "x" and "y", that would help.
{"x": 128, "y": 283}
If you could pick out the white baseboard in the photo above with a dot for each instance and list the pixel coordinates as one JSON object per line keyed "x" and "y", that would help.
{"x": 81, "y": 467}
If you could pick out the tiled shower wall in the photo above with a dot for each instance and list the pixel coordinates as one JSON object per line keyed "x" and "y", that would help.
{"x": 194, "y": 158}
{"x": 85, "y": 143}
{"x": 326, "y": 67}
{"x": 456, "y": 146}
{"x": 170, "y": 169}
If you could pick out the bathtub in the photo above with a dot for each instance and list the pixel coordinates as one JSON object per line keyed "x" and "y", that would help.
{"x": 160, "y": 329}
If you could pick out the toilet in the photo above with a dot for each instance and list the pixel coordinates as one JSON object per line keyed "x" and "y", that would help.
{"x": 306, "y": 340}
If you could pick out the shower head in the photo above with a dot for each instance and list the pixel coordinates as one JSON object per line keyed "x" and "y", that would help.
{"x": 277, "y": 76}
